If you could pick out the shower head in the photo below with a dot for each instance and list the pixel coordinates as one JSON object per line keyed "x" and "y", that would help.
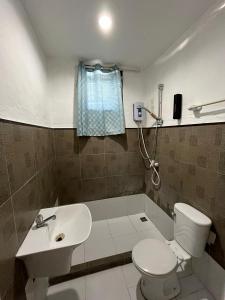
{"x": 151, "y": 113}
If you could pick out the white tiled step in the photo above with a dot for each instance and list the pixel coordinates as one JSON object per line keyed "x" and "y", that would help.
{"x": 121, "y": 283}
{"x": 120, "y": 226}
{"x": 115, "y": 236}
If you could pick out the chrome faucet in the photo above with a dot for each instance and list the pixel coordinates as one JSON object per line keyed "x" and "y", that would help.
{"x": 40, "y": 221}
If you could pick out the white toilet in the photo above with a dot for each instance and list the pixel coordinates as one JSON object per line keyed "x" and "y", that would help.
{"x": 158, "y": 261}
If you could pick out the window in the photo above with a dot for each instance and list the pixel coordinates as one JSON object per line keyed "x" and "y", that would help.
{"x": 99, "y": 102}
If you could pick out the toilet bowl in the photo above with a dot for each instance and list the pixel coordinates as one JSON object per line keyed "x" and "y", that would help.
{"x": 157, "y": 264}
{"x": 158, "y": 261}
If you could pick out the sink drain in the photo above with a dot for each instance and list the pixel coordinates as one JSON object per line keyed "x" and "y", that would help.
{"x": 60, "y": 237}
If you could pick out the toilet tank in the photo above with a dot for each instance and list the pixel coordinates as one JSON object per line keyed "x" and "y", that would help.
{"x": 191, "y": 229}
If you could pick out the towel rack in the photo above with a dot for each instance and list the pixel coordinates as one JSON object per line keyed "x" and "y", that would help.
{"x": 199, "y": 107}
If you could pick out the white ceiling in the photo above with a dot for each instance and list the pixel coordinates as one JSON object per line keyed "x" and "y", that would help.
{"x": 143, "y": 29}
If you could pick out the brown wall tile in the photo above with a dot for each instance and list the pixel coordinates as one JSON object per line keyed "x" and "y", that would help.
{"x": 135, "y": 163}
{"x": 70, "y": 191}
{"x": 4, "y": 180}
{"x": 47, "y": 185}
{"x": 68, "y": 167}
{"x": 91, "y": 145}
{"x": 66, "y": 142}
{"x": 27, "y": 155}
{"x": 192, "y": 164}
{"x": 221, "y": 162}
{"x": 92, "y": 166}
{"x": 8, "y": 247}
{"x": 20, "y": 155}
{"x": 115, "y": 144}
{"x": 93, "y": 189}
{"x": 43, "y": 142}
{"x": 132, "y": 138}
{"x": 218, "y": 199}
{"x": 116, "y": 163}
{"x": 99, "y": 158}
{"x": 124, "y": 185}
{"x": 26, "y": 205}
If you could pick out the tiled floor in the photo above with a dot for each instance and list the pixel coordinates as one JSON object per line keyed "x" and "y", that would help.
{"x": 114, "y": 236}
{"x": 120, "y": 283}
{"x": 109, "y": 237}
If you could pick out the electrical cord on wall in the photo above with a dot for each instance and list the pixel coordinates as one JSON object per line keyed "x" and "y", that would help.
{"x": 155, "y": 178}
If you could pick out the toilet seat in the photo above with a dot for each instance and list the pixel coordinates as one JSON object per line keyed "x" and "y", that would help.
{"x": 154, "y": 257}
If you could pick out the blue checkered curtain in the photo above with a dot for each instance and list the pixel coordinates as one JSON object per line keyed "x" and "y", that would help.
{"x": 99, "y": 102}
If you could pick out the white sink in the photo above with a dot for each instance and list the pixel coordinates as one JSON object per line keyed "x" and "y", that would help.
{"x": 43, "y": 255}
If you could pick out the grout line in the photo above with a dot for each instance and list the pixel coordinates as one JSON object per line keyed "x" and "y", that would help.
{"x": 10, "y": 189}
{"x": 85, "y": 287}
{"x": 84, "y": 252}
{"x": 107, "y": 222}
{"x": 132, "y": 223}
{"x": 14, "y": 219}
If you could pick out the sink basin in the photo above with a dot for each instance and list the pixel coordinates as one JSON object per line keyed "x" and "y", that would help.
{"x": 47, "y": 251}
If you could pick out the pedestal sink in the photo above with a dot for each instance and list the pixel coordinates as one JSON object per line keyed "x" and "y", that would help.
{"x": 47, "y": 251}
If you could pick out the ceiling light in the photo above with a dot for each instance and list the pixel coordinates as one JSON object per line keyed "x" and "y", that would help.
{"x": 105, "y": 23}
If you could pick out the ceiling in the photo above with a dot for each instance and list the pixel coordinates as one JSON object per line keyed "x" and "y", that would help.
{"x": 142, "y": 29}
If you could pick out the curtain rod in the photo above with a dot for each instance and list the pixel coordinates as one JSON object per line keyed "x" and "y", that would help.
{"x": 121, "y": 67}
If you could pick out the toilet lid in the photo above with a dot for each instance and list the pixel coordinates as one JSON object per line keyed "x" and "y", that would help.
{"x": 154, "y": 257}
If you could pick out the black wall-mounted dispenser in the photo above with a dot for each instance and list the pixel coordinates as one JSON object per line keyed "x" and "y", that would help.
{"x": 177, "y": 106}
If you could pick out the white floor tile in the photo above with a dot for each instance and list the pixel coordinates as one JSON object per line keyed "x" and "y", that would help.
{"x": 151, "y": 234}
{"x": 188, "y": 297}
{"x": 99, "y": 230}
{"x": 190, "y": 285}
{"x": 135, "y": 293}
{"x": 125, "y": 243}
{"x": 110, "y": 237}
{"x": 139, "y": 225}
{"x": 78, "y": 255}
{"x": 106, "y": 285}
{"x": 95, "y": 249}
{"x": 69, "y": 290}
{"x": 201, "y": 295}
{"x": 131, "y": 275}
{"x": 120, "y": 226}
{"x": 204, "y": 295}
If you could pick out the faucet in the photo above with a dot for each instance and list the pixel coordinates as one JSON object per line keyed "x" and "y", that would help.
{"x": 40, "y": 221}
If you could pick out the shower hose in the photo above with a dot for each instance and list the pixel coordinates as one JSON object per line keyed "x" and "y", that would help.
{"x": 149, "y": 163}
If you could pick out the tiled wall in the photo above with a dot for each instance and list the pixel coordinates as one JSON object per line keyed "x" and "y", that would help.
{"x": 192, "y": 170}
{"x": 91, "y": 168}
{"x": 26, "y": 185}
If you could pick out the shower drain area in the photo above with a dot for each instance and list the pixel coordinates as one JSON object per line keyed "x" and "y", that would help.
{"x": 110, "y": 245}
{"x": 59, "y": 237}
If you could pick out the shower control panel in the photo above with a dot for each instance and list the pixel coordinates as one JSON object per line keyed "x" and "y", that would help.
{"x": 138, "y": 112}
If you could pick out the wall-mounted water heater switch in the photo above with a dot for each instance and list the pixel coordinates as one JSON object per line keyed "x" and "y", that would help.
{"x": 138, "y": 112}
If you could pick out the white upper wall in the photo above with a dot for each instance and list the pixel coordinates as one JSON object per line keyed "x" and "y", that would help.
{"x": 29, "y": 94}
{"x": 61, "y": 90}
{"x": 194, "y": 67}
{"x": 22, "y": 68}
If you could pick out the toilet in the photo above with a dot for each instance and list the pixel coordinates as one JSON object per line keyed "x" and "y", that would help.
{"x": 158, "y": 261}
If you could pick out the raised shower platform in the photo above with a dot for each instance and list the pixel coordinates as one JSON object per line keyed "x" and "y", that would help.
{"x": 118, "y": 225}
{"x": 110, "y": 244}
